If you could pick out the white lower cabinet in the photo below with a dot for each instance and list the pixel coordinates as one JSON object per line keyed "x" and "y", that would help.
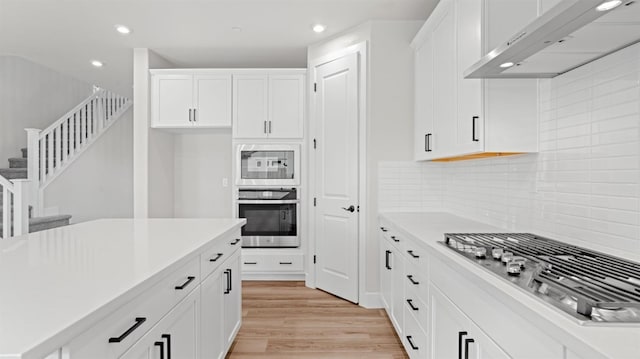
{"x": 453, "y": 334}
{"x": 232, "y": 299}
{"x": 175, "y": 336}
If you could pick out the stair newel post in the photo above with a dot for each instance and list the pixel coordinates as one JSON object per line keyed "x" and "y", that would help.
{"x": 33, "y": 167}
{"x": 20, "y": 206}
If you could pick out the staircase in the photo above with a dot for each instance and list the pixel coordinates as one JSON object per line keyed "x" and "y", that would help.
{"x": 48, "y": 154}
{"x": 18, "y": 170}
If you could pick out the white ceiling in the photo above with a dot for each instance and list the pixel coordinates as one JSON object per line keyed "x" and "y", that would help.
{"x": 67, "y": 34}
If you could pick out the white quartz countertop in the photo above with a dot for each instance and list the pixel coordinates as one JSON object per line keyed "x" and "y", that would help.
{"x": 614, "y": 341}
{"x": 53, "y": 280}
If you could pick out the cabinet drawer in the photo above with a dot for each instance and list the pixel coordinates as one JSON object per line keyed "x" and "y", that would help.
{"x": 414, "y": 338}
{"x": 415, "y": 279}
{"x": 393, "y": 237}
{"x": 418, "y": 306}
{"x": 123, "y": 327}
{"x": 211, "y": 258}
{"x": 415, "y": 254}
{"x": 272, "y": 263}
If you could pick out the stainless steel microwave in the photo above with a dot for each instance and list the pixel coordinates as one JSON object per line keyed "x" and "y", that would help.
{"x": 267, "y": 165}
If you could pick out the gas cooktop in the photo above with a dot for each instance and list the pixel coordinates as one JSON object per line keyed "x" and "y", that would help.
{"x": 591, "y": 286}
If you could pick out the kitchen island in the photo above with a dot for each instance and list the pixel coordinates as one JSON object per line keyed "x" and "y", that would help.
{"x": 118, "y": 287}
{"x": 451, "y": 306}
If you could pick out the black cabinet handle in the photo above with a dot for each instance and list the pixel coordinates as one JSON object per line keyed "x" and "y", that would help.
{"x": 228, "y": 274}
{"x": 410, "y": 302}
{"x": 161, "y": 345}
{"x": 138, "y": 323}
{"x": 185, "y": 284}
{"x": 386, "y": 259}
{"x": 264, "y": 130}
{"x": 235, "y": 242}
{"x": 410, "y": 277}
{"x": 269, "y": 126}
{"x": 286, "y": 263}
{"x": 413, "y": 254}
{"x": 195, "y": 118}
{"x": 383, "y": 229}
{"x": 395, "y": 239}
{"x": 230, "y": 281}
{"x": 466, "y": 347}
{"x": 189, "y": 115}
{"x": 460, "y": 335}
{"x": 167, "y": 337}
{"x": 473, "y": 128}
{"x": 251, "y": 263}
{"x": 427, "y": 142}
{"x": 410, "y": 340}
{"x": 218, "y": 256}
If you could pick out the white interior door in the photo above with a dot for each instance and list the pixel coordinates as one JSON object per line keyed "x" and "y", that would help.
{"x": 336, "y": 155}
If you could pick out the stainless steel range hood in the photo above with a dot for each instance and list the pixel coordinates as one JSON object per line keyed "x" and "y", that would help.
{"x": 567, "y": 36}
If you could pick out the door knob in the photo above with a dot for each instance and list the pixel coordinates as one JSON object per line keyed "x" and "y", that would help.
{"x": 350, "y": 209}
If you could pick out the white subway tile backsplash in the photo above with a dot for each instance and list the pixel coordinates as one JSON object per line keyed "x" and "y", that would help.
{"x": 583, "y": 185}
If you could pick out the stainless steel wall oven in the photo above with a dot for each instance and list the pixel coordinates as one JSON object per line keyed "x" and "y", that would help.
{"x": 272, "y": 217}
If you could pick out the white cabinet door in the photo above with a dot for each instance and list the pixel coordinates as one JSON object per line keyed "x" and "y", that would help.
{"x": 232, "y": 298}
{"x": 176, "y": 335}
{"x": 250, "y": 106}
{"x": 469, "y": 130}
{"x": 444, "y": 104}
{"x": 172, "y": 100}
{"x": 453, "y": 334}
{"x": 286, "y": 106}
{"x": 424, "y": 92}
{"x": 397, "y": 289}
{"x": 212, "y": 319}
{"x": 212, "y": 100}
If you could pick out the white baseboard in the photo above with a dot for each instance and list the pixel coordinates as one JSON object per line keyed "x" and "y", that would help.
{"x": 371, "y": 300}
{"x": 274, "y": 276}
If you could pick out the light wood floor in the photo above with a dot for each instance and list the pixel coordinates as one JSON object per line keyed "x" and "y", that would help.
{"x": 287, "y": 320}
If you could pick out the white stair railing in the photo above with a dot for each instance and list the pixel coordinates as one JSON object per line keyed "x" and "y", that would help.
{"x": 15, "y": 207}
{"x": 52, "y": 150}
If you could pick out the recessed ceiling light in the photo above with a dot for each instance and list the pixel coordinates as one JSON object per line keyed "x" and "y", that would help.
{"x": 608, "y": 5}
{"x": 319, "y": 28}
{"x": 123, "y": 29}
{"x": 506, "y": 64}
{"x": 97, "y": 63}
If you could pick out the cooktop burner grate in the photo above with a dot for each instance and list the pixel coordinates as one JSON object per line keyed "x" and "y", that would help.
{"x": 592, "y": 284}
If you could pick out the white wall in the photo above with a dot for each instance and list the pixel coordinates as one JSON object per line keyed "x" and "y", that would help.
{"x": 33, "y": 96}
{"x": 99, "y": 184}
{"x": 583, "y": 186}
{"x": 201, "y": 162}
{"x": 389, "y": 112}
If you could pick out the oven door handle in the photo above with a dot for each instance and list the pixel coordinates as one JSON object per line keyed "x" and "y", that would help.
{"x": 262, "y": 201}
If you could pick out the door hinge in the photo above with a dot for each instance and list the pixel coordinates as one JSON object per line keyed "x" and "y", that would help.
{"x": 314, "y": 201}
{"x": 315, "y": 87}
{"x": 314, "y": 143}
{"x": 358, "y": 209}
{"x": 314, "y": 259}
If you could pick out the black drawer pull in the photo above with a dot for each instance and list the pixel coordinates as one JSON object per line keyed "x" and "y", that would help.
{"x": 410, "y": 277}
{"x": 413, "y": 346}
{"x": 466, "y": 347}
{"x": 235, "y": 242}
{"x": 460, "y": 335}
{"x": 218, "y": 256}
{"x": 395, "y": 239}
{"x": 168, "y": 338}
{"x": 383, "y": 229}
{"x": 185, "y": 284}
{"x": 410, "y": 302}
{"x": 138, "y": 323}
{"x": 250, "y": 262}
{"x": 387, "y": 263}
{"x": 286, "y": 263}
{"x": 161, "y": 345}
{"x": 413, "y": 254}
{"x": 473, "y": 128}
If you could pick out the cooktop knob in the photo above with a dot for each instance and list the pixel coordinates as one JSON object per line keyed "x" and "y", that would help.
{"x": 496, "y": 253}
{"x": 506, "y": 257}
{"x": 513, "y": 269}
{"x": 480, "y": 252}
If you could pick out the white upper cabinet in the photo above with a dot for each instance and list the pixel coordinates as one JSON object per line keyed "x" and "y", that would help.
{"x": 455, "y": 116}
{"x": 184, "y": 100}
{"x": 268, "y": 105}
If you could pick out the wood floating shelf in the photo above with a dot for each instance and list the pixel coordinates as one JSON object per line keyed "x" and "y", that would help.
{"x": 477, "y": 156}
